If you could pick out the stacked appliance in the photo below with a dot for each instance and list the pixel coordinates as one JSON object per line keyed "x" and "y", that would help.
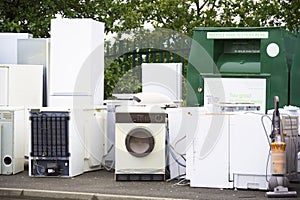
{"x": 76, "y": 87}
{"x": 11, "y": 140}
{"x": 36, "y": 51}
{"x": 140, "y": 145}
{"x": 21, "y": 85}
{"x": 163, "y": 78}
{"x": 8, "y": 47}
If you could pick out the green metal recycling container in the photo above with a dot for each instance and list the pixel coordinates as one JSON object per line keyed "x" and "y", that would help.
{"x": 250, "y": 64}
{"x": 295, "y": 76}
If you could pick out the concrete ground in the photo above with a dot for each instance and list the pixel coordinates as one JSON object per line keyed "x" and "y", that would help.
{"x": 101, "y": 185}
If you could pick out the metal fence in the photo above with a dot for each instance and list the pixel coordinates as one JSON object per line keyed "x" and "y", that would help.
{"x": 130, "y": 54}
{"x": 134, "y": 53}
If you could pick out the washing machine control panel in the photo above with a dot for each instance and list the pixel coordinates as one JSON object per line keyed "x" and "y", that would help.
{"x": 140, "y": 117}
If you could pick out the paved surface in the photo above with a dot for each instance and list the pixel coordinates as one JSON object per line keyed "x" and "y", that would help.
{"x": 101, "y": 185}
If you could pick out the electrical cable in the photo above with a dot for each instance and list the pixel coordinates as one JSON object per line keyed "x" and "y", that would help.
{"x": 176, "y": 143}
{"x": 174, "y": 157}
{"x": 111, "y": 167}
{"x": 266, "y": 133}
{"x": 176, "y": 177}
{"x": 183, "y": 182}
{"x": 263, "y": 124}
{"x": 267, "y": 166}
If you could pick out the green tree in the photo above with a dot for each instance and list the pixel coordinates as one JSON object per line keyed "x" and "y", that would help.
{"x": 34, "y": 16}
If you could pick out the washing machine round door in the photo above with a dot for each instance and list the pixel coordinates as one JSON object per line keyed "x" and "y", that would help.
{"x": 139, "y": 142}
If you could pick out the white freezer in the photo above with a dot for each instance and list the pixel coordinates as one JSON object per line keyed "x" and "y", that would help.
{"x": 86, "y": 142}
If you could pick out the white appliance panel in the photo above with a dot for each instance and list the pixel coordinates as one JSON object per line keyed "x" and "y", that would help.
{"x": 36, "y": 51}
{"x": 8, "y": 46}
{"x": 234, "y": 90}
{"x": 4, "y": 86}
{"x": 25, "y": 85}
{"x": 164, "y": 78}
{"x": 94, "y": 141}
{"x": 183, "y": 125}
{"x": 211, "y": 148}
{"x": 248, "y": 140}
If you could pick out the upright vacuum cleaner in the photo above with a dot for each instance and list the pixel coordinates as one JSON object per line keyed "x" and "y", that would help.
{"x": 278, "y": 183}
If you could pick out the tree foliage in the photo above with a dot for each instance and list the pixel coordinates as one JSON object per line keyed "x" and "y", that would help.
{"x": 34, "y": 16}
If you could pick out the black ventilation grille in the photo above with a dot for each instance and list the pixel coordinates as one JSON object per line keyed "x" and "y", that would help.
{"x": 50, "y": 134}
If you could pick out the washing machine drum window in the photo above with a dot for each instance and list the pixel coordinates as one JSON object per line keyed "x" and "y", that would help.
{"x": 139, "y": 142}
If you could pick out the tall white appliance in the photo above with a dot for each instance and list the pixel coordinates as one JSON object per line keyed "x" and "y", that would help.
{"x": 163, "y": 78}
{"x": 8, "y": 46}
{"x": 76, "y": 88}
{"x": 11, "y": 140}
{"x": 76, "y": 62}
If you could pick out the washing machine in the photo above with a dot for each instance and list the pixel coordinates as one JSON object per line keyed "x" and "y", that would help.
{"x": 140, "y": 141}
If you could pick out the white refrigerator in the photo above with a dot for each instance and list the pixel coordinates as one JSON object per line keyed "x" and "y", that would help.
{"x": 76, "y": 62}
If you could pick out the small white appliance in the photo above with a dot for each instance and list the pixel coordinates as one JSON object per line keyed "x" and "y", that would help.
{"x": 64, "y": 142}
{"x": 36, "y": 51}
{"x": 21, "y": 85}
{"x": 163, "y": 78}
{"x": 8, "y": 46}
{"x": 140, "y": 145}
{"x": 11, "y": 140}
{"x": 221, "y": 95}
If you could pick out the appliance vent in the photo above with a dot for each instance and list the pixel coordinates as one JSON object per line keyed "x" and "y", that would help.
{"x": 49, "y": 134}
